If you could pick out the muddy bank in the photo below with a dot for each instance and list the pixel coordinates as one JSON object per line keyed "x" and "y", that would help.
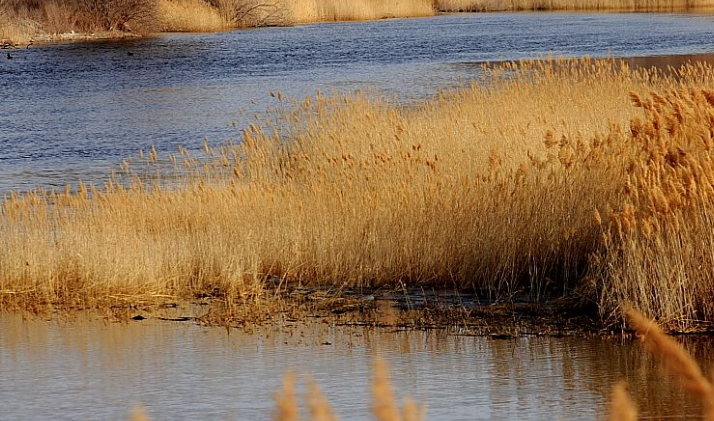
{"x": 462, "y": 314}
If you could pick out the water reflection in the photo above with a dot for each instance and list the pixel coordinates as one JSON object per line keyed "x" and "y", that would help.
{"x": 90, "y": 369}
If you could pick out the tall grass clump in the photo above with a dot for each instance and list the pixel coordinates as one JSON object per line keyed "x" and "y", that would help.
{"x": 602, "y": 5}
{"x": 50, "y": 19}
{"x": 307, "y": 11}
{"x": 23, "y": 20}
{"x": 548, "y": 178}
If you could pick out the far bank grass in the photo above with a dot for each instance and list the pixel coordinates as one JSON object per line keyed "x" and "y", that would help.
{"x": 549, "y": 178}
{"x": 23, "y": 20}
{"x": 574, "y": 5}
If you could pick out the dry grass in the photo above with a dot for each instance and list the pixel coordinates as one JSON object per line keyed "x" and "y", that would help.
{"x": 22, "y": 20}
{"x": 605, "y": 5}
{"x": 307, "y": 11}
{"x": 190, "y": 16}
{"x": 26, "y": 19}
{"x": 548, "y": 178}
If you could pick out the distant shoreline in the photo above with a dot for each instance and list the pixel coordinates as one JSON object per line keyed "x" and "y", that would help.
{"x": 45, "y": 24}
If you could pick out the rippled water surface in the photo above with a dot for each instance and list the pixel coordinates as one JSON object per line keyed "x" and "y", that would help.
{"x": 71, "y": 111}
{"x": 99, "y": 371}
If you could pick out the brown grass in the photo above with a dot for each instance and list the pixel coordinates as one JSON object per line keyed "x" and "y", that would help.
{"x": 190, "y": 16}
{"x": 385, "y": 406}
{"x": 54, "y": 19}
{"x": 605, "y": 5}
{"x": 549, "y": 178}
{"x": 22, "y": 20}
{"x": 622, "y": 408}
{"x": 307, "y": 11}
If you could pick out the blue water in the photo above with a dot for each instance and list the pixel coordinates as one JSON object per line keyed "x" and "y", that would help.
{"x": 70, "y": 112}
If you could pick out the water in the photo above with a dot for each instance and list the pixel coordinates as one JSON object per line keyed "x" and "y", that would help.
{"x": 90, "y": 369}
{"x": 71, "y": 111}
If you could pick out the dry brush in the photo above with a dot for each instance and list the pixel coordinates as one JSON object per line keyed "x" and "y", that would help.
{"x": 548, "y": 178}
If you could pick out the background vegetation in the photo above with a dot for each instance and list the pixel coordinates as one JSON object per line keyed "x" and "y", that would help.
{"x": 610, "y": 5}
{"x": 21, "y": 20}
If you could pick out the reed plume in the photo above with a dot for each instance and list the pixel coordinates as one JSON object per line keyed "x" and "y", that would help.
{"x": 675, "y": 359}
{"x": 622, "y": 408}
{"x": 601, "y": 186}
{"x": 286, "y": 403}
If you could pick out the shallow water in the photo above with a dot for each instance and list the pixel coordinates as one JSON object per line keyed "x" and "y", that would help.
{"x": 71, "y": 111}
{"x": 97, "y": 370}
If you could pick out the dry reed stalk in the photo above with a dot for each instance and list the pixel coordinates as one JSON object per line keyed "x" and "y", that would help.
{"x": 675, "y": 359}
{"x": 318, "y": 405}
{"x": 190, "y": 16}
{"x": 286, "y": 403}
{"x": 411, "y": 411}
{"x": 307, "y": 11}
{"x": 139, "y": 414}
{"x": 385, "y": 403}
{"x": 622, "y": 408}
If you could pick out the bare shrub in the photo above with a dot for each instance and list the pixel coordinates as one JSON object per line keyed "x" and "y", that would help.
{"x": 139, "y": 16}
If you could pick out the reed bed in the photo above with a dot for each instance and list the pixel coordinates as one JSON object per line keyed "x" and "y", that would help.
{"x": 595, "y": 5}
{"x": 22, "y": 20}
{"x": 672, "y": 356}
{"x": 308, "y": 11}
{"x": 548, "y": 178}
{"x": 190, "y": 16}
{"x": 677, "y": 362}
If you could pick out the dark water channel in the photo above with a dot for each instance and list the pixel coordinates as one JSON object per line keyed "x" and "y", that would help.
{"x": 94, "y": 370}
{"x": 71, "y": 111}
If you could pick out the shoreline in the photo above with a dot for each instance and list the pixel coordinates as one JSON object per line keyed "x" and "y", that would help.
{"x": 109, "y": 36}
{"x": 457, "y": 313}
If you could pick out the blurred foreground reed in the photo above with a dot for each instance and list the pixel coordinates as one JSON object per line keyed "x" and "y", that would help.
{"x": 671, "y": 355}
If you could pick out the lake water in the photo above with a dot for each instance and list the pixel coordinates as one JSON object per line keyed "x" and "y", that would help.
{"x": 72, "y": 111}
{"x": 69, "y": 112}
{"x": 90, "y": 369}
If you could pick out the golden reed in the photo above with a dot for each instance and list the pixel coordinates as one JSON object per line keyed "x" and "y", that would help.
{"x": 550, "y": 178}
